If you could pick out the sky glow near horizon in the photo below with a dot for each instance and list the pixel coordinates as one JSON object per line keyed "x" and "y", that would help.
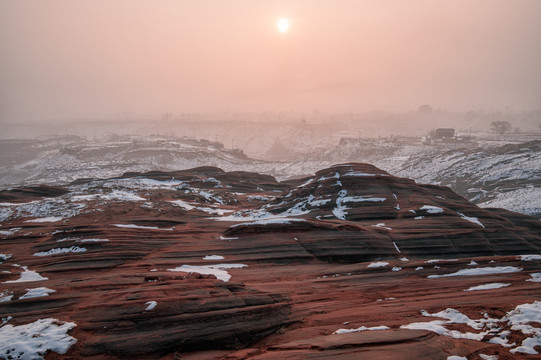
{"x": 95, "y": 58}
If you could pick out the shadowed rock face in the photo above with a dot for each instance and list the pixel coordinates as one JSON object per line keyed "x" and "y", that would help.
{"x": 219, "y": 265}
{"x": 29, "y": 193}
{"x": 360, "y": 213}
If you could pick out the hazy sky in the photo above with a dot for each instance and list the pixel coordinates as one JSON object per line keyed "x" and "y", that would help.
{"x": 87, "y": 58}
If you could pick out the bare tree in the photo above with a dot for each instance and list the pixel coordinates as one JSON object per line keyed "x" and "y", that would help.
{"x": 500, "y": 127}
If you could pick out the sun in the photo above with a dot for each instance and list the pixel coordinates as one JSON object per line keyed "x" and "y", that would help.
{"x": 283, "y": 25}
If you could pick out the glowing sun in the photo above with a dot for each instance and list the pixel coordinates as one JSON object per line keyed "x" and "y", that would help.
{"x": 283, "y": 25}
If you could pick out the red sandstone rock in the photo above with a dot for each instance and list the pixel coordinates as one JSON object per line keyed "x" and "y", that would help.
{"x": 303, "y": 280}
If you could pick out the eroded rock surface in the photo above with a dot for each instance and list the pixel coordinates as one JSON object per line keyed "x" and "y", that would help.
{"x": 207, "y": 264}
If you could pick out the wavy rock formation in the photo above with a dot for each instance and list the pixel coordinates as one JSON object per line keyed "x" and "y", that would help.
{"x": 206, "y": 264}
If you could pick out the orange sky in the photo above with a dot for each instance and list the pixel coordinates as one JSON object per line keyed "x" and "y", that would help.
{"x": 85, "y": 58}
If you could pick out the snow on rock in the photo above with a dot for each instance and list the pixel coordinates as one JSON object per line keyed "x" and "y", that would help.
{"x": 382, "y": 226}
{"x": 357, "y": 173}
{"x": 4, "y": 257}
{"x": 350, "y": 199}
{"x": 182, "y": 204}
{"x": 217, "y": 270}
{"x": 335, "y": 176}
{"x": 438, "y": 326}
{"x": 27, "y": 276}
{"x": 5, "y": 296}
{"x": 91, "y": 240}
{"x": 431, "y": 209}
{"x": 33, "y": 340}
{"x": 37, "y": 292}
{"x": 9, "y": 232}
{"x": 378, "y": 264}
{"x": 488, "y": 286}
{"x": 46, "y": 219}
{"x": 536, "y": 277}
{"x": 46, "y": 210}
{"x": 519, "y": 318}
{"x": 340, "y": 210}
{"x": 471, "y": 219}
{"x": 150, "y": 305}
{"x": 132, "y": 226}
{"x": 530, "y": 257}
{"x": 488, "y": 357}
{"x": 213, "y": 257}
{"x": 456, "y": 357}
{"x": 57, "y": 251}
{"x": 212, "y": 211}
{"x": 480, "y": 271}
{"x": 396, "y": 268}
{"x": 270, "y": 222}
{"x": 362, "y": 328}
{"x": 115, "y": 195}
{"x": 307, "y": 182}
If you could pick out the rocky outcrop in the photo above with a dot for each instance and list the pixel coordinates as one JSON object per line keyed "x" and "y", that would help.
{"x": 207, "y": 264}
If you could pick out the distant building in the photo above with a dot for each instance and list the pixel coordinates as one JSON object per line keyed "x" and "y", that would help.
{"x": 443, "y": 133}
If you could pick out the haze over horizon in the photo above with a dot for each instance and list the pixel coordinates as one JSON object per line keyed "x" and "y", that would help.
{"x": 65, "y": 59}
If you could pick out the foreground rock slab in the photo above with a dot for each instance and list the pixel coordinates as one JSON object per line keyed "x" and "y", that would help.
{"x": 205, "y": 264}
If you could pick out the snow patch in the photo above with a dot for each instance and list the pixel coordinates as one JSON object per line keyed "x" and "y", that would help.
{"x": 46, "y": 219}
{"x": 480, "y": 271}
{"x": 362, "y": 328}
{"x": 33, "y": 340}
{"x": 37, "y": 292}
{"x": 9, "y": 232}
{"x": 530, "y": 257}
{"x": 378, "y": 264}
{"x": 182, "y": 204}
{"x": 518, "y": 319}
{"x": 213, "y": 257}
{"x": 132, "y": 226}
{"x": 340, "y": 210}
{"x": 216, "y": 270}
{"x": 27, "y": 276}
{"x": 471, "y": 219}
{"x": 432, "y": 209}
{"x": 57, "y": 251}
{"x": 5, "y": 296}
{"x": 150, "y": 305}
{"x": 536, "y": 277}
{"x": 115, "y": 195}
{"x": 91, "y": 240}
{"x": 270, "y": 222}
{"x": 382, "y": 226}
{"x": 488, "y": 286}
{"x": 357, "y": 173}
